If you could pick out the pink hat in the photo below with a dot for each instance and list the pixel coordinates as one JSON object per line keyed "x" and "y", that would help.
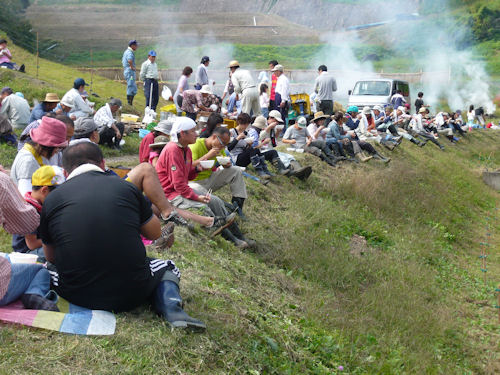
{"x": 50, "y": 133}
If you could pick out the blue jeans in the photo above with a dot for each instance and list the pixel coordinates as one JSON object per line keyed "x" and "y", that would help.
{"x": 265, "y": 112}
{"x": 129, "y": 75}
{"x": 232, "y": 102}
{"x": 26, "y": 279}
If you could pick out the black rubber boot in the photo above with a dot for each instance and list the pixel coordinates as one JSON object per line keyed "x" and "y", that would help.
{"x": 238, "y": 205}
{"x": 328, "y": 160}
{"x": 264, "y": 166}
{"x": 229, "y": 236}
{"x": 380, "y": 157}
{"x": 257, "y": 164}
{"x": 235, "y": 230}
{"x": 278, "y": 164}
{"x": 168, "y": 304}
{"x": 36, "y": 302}
{"x": 298, "y": 171}
{"x": 129, "y": 99}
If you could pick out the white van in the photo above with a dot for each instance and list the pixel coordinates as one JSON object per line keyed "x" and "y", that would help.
{"x": 372, "y": 92}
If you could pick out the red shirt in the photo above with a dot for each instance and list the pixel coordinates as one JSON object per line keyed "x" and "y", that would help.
{"x": 144, "y": 147}
{"x": 175, "y": 169}
{"x": 274, "y": 79}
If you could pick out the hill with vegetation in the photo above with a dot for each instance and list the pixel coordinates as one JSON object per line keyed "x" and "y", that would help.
{"x": 363, "y": 269}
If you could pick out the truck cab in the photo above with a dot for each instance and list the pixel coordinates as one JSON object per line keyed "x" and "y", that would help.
{"x": 372, "y": 92}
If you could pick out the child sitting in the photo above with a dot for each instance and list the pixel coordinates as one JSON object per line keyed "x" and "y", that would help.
{"x": 44, "y": 180}
{"x": 155, "y": 149}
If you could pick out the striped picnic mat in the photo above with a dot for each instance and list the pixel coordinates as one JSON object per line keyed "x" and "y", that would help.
{"x": 71, "y": 318}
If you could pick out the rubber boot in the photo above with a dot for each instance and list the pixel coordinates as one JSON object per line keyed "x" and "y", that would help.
{"x": 388, "y": 144}
{"x": 117, "y": 144}
{"x": 278, "y": 164}
{"x": 264, "y": 166}
{"x": 229, "y": 236}
{"x": 296, "y": 170}
{"x": 235, "y": 230}
{"x": 418, "y": 142}
{"x": 238, "y": 205}
{"x": 129, "y": 99}
{"x": 380, "y": 157}
{"x": 330, "y": 161}
{"x": 168, "y": 304}
{"x": 257, "y": 164}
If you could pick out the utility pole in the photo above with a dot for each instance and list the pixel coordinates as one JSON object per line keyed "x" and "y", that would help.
{"x": 37, "y": 55}
{"x": 91, "y": 70}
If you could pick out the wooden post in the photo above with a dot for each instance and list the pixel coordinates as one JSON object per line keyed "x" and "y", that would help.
{"x": 91, "y": 70}
{"x": 37, "y": 55}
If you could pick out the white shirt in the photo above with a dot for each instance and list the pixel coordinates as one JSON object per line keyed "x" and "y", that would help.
{"x": 103, "y": 117}
{"x": 417, "y": 123}
{"x": 16, "y": 109}
{"x": 283, "y": 88}
{"x": 149, "y": 70}
{"x": 80, "y": 107}
{"x": 264, "y": 100}
{"x": 242, "y": 79}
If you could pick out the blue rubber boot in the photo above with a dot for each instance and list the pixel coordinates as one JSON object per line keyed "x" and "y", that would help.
{"x": 168, "y": 304}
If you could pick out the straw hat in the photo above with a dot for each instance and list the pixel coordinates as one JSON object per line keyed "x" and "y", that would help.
{"x": 50, "y": 97}
{"x": 319, "y": 115}
{"x": 422, "y": 110}
{"x": 161, "y": 140}
{"x": 260, "y": 122}
{"x": 233, "y": 64}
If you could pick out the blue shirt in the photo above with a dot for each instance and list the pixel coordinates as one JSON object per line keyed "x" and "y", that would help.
{"x": 351, "y": 124}
{"x": 38, "y": 112}
{"x": 128, "y": 55}
{"x": 334, "y": 131}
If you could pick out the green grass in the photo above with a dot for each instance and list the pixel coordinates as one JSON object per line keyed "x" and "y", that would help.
{"x": 414, "y": 303}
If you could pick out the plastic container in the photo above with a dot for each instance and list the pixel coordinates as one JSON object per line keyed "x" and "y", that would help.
{"x": 23, "y": 258}
{"x": 143, "y": 133}
{"x": 129, "y": 118}
{"x": 223, "y": 160}
{"x": 206, "y": 164}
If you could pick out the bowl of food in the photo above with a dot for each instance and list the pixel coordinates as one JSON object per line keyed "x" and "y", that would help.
{"x": 223, "y": 160}
{"x": 249, "y": 140}
{"x": 23, "y": 258}
{"x": 206, "y": 164}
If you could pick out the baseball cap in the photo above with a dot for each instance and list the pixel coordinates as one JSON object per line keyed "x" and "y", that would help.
{"x": 115, "y": 101}
{"x": 84, "y": 125}
{"x": 204, "y": 59}
{"x": 133, "y": 41}
{"x": 276, "y": 115}
{"x": 278, "y": 67}
{"x": 48, "y": 175}
{"x": 302, "y": 122}
{"x": 79, "y": 82}
{"x": 152, "y": 53}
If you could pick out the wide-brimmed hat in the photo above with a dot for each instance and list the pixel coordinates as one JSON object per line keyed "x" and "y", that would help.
{"x": 319, "y": 115}
{"x": 422, "y": 110}
{"x": 205, "y": 89}
{"x": 367, "y": 110}
{"x": 401, "y": 108}
{"x": 51, "y": 97}
{"x": 50, "y": 133}
{"x": 260, "y": 122}
{"x": 161, "y": 140}
{"x": 165, "y": 126}
{"x": 233, "y": 64}
{"x": 276, "y": 115}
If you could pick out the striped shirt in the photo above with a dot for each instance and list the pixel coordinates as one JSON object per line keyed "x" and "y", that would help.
{"x": 16, "y": 216}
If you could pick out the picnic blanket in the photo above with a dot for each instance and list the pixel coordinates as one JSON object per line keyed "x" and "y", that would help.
{"x": 71, "y": 318}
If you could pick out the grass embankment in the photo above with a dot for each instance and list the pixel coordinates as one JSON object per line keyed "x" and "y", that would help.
{"x": 414, "y": 303}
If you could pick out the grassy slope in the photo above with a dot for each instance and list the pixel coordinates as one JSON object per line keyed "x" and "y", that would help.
{"x": 415, "y": 303}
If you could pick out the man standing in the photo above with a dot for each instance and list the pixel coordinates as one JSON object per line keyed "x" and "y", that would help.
{"x": 149, "y": 75}
{"x": 282, "y": 96}
{"x": 244, "y": 86}
{"x": 201, "y": 73}
{"x": 107, "y": 126}
{"x": 48, "y": 105}
{"x": 80, "y": 107}
{"x": 128, "y": 62}
{"x": 94, "y": 267}
{"x": 274, "y": 79}
{"x": 15, "y": 108}
{"x": 324, "y": 87}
